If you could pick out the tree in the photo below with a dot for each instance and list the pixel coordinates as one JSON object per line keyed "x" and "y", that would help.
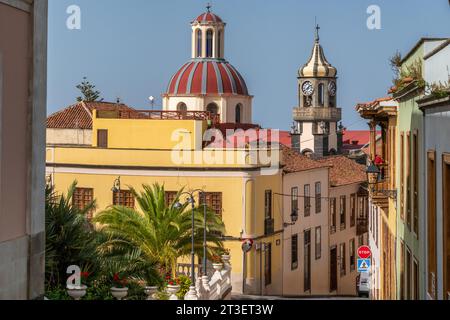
{"x": 89, "y": 94}
{"x": 158, "y": 232}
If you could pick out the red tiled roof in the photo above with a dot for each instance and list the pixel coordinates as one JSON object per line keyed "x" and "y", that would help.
{"x": 79, "y": 116}
{"x": 344, "y": 171}
{"x": 242, "y": 136}
{"x": 292, "y": 161}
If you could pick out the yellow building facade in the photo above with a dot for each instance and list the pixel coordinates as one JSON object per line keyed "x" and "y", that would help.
{"x": 170, "y": 152}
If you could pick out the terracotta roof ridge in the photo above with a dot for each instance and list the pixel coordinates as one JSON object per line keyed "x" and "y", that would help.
{"x": 89, "y": 112}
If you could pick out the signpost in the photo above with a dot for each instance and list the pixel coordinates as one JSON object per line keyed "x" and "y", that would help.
{"x": 364, "y": 261}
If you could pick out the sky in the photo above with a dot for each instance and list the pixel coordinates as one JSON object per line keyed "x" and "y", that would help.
{"x": 131, "y": 48}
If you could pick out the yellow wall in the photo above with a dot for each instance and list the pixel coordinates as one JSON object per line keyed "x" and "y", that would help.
{"x": 149, "y": 133}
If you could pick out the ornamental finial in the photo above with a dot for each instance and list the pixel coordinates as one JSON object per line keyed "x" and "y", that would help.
{"x": 317, "y": 32}
{"x": 208, "y": 7}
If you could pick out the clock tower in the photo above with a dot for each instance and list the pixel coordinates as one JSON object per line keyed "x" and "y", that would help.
{"x": 315, "y": 131}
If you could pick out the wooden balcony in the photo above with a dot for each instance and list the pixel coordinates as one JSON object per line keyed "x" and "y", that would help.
{"x": 317, "y": 114}
{"x": 378, "y": 191}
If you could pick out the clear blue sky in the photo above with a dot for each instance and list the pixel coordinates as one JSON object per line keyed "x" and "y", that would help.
{"x": 131, "y": 48}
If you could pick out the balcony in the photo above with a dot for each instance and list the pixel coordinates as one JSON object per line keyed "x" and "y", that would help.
{"x": 269, "y": 227}
{"x": 380, "y": 196}
{"x": 362, "y": 226}
{"x": 318, "y": 114}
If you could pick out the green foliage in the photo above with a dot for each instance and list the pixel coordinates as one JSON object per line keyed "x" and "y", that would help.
{"x": 88, "y": 92}
{"x": 412, "y": 71}
{"x": 185, "y": 283}
{"x": 157, "y": 232}
{"x": 70, "y": 239}
{"x": 439, "y": 90}
{"x": 396, "y": 63}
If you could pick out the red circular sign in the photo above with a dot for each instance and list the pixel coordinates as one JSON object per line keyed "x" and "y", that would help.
{"x": 364, "y": 252}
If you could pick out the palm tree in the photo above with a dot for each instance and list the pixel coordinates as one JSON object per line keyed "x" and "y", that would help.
{"x": 69, "y": 238}
{"x": 157, "y": 232}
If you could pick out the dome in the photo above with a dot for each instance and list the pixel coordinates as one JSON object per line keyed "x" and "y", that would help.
{"x": 207, "y": 77}
{"x": 317, "y": 66}
{"x": 208, "y": 17}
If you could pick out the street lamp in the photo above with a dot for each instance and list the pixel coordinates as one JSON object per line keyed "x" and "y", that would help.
{"x": 294, "y": 218}
{"x": 373, "y": 175}
{"x": 192, "y": 294}
{"x": 116, "y": 188}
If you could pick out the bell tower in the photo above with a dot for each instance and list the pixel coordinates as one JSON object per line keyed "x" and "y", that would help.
{"x": 315, "y": 131}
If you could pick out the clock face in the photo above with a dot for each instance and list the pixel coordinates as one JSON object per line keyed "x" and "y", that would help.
{"x": 332, "y": 88}
{"x": 307, "y": 88}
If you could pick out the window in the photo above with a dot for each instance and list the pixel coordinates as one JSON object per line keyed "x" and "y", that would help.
{"x": 352, "y": 255}
{"x": 307, "y": 260}
{"x": 268, "y": 204}
{"x": 307, "y": 200}
{"x": 123, "y": 198}
{"x": 213, "y": 202}
{"x": 321, "y": 93}
{"x": 294, "y": 200}
{"x": 408, "y": 180}
{"x": 416, "y": 184}
{"x": 209, "y": 43}
{"x": 199, "y": 43}
{"x": 416, "y": 280}
{"x": 182, "y": 107}
{"x": 318, "y": 244}
{"x": 353, "y": 209}
{"x": 342, "y": 259}
{"x": 268, "y": 264}
{"x": 431, "y": 224}
{"x": 238, "y": 113}
{"x": 170, "y": 197}
{"x": 102, "y": 138}
{"x": 402, "y": 270}
{"x": 294, "y": 252}
{"x": 342, "y": 212}
{"x": 318, "y": 197}
{"x": 408, "y": 274}
{"x": 212, "y": 108}
{"x": 402, "y": 176}
{"x": 333, "y": 215}
{"x": 82, "y": 198}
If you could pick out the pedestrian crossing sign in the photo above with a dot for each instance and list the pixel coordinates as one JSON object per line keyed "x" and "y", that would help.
{"x": 364, "y": 265}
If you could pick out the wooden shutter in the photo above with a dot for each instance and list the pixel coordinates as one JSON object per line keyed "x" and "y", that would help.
{"x": 102, "y": 138}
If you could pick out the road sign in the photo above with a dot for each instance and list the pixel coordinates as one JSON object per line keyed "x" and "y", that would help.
{"x": 364, "y": 252}
{"x": 364, "y": 265}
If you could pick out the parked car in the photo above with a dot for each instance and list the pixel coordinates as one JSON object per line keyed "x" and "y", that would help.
{"x": 363, "y": 285}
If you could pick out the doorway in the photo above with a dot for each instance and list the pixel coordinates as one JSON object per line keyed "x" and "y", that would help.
{"x": 333, "y": 269}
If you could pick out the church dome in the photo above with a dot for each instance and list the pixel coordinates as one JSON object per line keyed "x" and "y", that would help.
{"x": 208, "y": 17}
{"x": 207, "y": 77}
{"x": 317, "y": 66}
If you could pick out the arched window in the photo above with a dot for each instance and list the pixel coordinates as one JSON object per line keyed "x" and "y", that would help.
{"x": 238, "y": 113}
{"x": 321, "y": 93}
{"x": 199, "y": 43}
{"x": 209, "y": 43}
{"x": 182, "y": 107}
{"x": 212, "y": 108}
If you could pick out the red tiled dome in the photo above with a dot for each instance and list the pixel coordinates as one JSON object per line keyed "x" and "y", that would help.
{"x": 208, "y": 17}
{"x": 214, "y": 77}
